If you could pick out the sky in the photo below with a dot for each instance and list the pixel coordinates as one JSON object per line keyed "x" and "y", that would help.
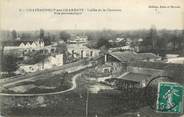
{"x": 130, "y": 15}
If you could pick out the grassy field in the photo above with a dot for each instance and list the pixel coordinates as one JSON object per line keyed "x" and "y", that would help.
{"x": 105, "y": 103}
{"x": 46, "y": 84}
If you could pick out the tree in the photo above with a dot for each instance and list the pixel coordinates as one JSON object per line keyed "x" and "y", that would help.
{"x": 9, "y": 63}
{"x": 99, "y": 39}
{"x": 42, "y": 32}
{"x": 179, "y": 39}
{"x": 25, "y": 36}
{"x": 47, "y": 40}
{"x": 153, "y": 37}
{"x": 161, "y": 46}
{"x": 151, "y": 40}
{"x": 174, "y": 40}
{"x": 64, "y": 36}
{"x": 103, "y": 42}
{"x": 52, "y": 38}
{"x": 62, "y": 48}
{"x": 14, "y": 34}
{"x": 35, "y": 57}
{"x": 182, "y": 43}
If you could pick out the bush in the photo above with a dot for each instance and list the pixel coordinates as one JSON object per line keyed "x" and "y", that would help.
{"x": 9, "y": 63}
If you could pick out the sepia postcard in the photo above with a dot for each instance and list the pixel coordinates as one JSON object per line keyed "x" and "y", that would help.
{"x": 92, "y": 58}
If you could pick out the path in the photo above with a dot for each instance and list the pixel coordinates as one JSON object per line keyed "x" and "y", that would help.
{"x": 74, "y": 85}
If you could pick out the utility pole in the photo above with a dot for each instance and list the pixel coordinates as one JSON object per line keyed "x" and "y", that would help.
{"x": 2, "y": 54}
{"x": 87, "y": 100}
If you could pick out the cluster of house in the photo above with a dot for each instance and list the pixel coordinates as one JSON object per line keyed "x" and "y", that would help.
{"x": 32, "y": 44}
{"x": 127, "y": 56}
{"x": 129, "y": 76}
{"x": 174, "y": 58}
{"x": 127, "y": 44}
{"x": 127, "y": 41}
{"x": 20, "y": 44}
{"x": 22, "y": 48}
{"x": 123, "y": 48}
{"x": 78, "y": 39}
{"x": 76, "y": 47}
{"x": 81, "y": 51}
{"x": 48, "y": 63}
{"x": 138, "y": 47}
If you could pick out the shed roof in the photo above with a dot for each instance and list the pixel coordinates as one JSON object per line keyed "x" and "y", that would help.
{"x": 135, "y": 77}
{"x": 144, "y": 56}
{"x": 125, "y": 56}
